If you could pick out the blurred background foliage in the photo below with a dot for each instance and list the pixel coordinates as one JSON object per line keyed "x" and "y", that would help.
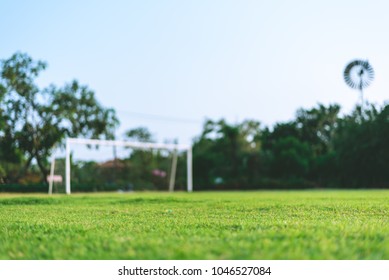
{"x": 318, "y": 148}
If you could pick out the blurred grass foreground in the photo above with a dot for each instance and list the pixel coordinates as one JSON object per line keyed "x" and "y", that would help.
{"x": 204, "y": 225}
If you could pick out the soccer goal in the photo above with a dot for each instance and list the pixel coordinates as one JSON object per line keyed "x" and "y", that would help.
{"x": 173, "y": 155}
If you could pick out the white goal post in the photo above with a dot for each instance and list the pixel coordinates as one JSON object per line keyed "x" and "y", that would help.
{"x": 140, "y": 145}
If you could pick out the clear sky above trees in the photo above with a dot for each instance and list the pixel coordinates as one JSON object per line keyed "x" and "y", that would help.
{"x": 194, "y": 59}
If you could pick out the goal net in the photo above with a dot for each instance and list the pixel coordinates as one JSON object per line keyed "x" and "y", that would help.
{"x": 109, "y": 165}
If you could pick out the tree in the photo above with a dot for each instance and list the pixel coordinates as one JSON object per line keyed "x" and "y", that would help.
{"x": 302, "y": 147}
{"x": 227, "y": 154}
{"x": 140, "y": 134}
{"x": 8, "y": 150}
{"x": 291, "y": 158}
{"x": 37, "y": 120}
{"x": 317, "y": 126}
{"x": 362, "y": 149}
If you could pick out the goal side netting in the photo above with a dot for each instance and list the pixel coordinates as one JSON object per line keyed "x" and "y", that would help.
{"x": 173, "y": 155}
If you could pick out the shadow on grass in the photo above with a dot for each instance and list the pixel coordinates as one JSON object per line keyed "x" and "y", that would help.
{"x": 29, "y": 201}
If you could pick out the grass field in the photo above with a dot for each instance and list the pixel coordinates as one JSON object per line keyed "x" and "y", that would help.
{"x": 231, "y": 225}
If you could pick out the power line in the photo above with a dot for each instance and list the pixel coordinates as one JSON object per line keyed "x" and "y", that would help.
{"x": 159, "y": 117}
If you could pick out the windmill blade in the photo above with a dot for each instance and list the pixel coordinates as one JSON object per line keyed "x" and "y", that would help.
{"x": 358, "y": 74}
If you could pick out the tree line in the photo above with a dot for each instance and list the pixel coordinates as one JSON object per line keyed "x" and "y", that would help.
{"x": 318, "y": 148}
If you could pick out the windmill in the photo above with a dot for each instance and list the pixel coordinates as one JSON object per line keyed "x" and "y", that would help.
{"x": 358, "y": 75}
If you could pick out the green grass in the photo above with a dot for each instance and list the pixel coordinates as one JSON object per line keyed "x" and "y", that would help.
{"x": 232, "y": 225}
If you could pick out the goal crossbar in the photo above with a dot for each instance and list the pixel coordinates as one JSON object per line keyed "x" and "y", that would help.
{"x": 140, "y": 145}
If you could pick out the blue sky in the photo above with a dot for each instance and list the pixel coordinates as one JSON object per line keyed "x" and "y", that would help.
{"x": 191, "y": 60}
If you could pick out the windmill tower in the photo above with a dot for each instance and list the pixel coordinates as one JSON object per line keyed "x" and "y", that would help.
{"x": 358, "y": 75}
